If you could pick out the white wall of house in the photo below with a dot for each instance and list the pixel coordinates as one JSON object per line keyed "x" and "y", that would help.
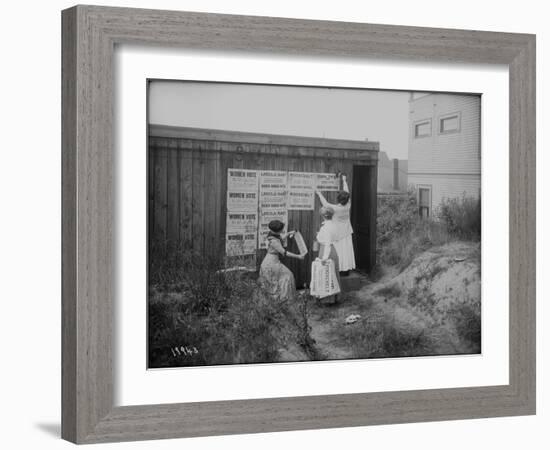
{"x": 448, "y": 186}
{"x": 444, "y": 146}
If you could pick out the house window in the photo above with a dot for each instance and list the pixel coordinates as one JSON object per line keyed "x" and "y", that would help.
{"x": 424, "y": 201}
{"x": 449, "y": 124}
{"x": 423, "y": 129}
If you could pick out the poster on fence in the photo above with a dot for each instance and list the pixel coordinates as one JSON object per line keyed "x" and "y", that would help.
{"x": 273, "y": 178}
{"x": 301, "y": 200}
{"x": 239, "y": 244}
{"x": 241, "y": 221}
{"x": 273, "y": 186}
{"x": 239, "y": 180}
{"x": 242, "y": 201}
{"x": 301, "y": 191}
{"x": 327, "y": 182}
{"x": 269, "y": 212}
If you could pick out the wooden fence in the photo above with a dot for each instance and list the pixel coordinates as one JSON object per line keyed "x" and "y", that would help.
{"x": 187, "y": 185}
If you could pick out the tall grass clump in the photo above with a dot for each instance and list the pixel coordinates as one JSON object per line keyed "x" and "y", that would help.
{"x": 462, "y": 216}
{"x": 466, "y": 316}
{"x": 201, "y": 314}
{"x": 384, "y": 337}
{"x": 402, "y": 234}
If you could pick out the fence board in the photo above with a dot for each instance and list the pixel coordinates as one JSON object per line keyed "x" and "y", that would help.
{"x": 160, "y": 204}
{"x": 197, "y": 201}
{"x": 172, "y": 194}
{"x": 185, "y": 185}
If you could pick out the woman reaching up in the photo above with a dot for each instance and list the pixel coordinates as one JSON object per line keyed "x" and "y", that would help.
{"x": 342, "y": 227}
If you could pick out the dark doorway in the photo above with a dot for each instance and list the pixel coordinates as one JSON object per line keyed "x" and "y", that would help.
{"x": 363, "y": 216}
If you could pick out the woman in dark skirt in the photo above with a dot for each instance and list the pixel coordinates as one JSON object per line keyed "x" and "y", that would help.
{"x": 275, "y": 278}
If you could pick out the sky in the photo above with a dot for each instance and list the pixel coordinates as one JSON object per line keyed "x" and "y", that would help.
{"x": 356, "y": 114}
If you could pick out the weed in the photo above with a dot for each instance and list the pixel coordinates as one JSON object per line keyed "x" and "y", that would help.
{"x": 462, "y": 216}
{"x": 389, "y": 291}
{"x": 384, "y": 337}
{"x": 466, "y": 316}
{"x": 223, "y": 317}
{"x": 402, "y": 234}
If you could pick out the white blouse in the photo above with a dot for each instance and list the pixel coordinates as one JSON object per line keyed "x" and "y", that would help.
{"x": 341, "y": 216}
{"x": 327, "y": 235}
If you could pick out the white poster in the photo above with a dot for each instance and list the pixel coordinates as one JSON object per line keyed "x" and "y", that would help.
{"x": 301, "y": 191}
{"x": 238, "y": 244}
{"x": 301, "y": 200}
{"x": 242, "y": 201}
{"x": 241, "y": 221}
{"x": 327, "y": 182}
{"x": 301, "y": 180}
{"x": 275, "y": 178}
{"x": 239, "y": 180}
{"x": 273, "y": 186}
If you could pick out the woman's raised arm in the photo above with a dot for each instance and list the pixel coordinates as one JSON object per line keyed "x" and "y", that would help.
{"x": 322, "y": 199}
{"x": 345, "y": 186}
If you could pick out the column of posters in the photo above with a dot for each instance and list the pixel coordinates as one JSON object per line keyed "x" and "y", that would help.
{"x": 273, "y": 201}
{"x": 242, "y": 212}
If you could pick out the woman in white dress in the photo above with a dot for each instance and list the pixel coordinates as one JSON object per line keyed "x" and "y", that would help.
{"x": 327, "y": 238}
{"x": 344, "y": 230}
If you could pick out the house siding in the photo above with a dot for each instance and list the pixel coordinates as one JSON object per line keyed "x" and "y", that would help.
{"x": 447, "y": 186}
{"x": 450, "y": 163}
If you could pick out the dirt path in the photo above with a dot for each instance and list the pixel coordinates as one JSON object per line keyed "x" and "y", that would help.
{"x": 410, "y": 313}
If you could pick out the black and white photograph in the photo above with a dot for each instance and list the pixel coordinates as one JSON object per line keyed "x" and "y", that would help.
{"x": 291, "y": 224}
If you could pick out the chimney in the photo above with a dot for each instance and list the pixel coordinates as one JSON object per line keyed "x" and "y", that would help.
{"x": 395, "y": 174}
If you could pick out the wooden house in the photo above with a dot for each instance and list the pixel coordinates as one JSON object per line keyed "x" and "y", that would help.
{"x": 187, "y": 186}
{"x": 444, "y": 148}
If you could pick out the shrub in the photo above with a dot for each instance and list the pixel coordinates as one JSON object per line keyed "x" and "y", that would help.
{"x": 397, "y": 214}
{"x": 383, "y": 337}
{"x": 401, "y": 248}
{"x": 466, "y": 316}
{"x": 201, "y": 315}
{"x": 462, "y": 216}
{"x": 402, "y": 234}
{"x": 389, "y": 291}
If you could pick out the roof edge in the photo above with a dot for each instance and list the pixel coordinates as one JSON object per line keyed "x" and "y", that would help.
{"x": 206, "y": 134}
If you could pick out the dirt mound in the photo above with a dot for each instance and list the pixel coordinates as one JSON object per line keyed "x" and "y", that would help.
{"x": 432, "y": 307}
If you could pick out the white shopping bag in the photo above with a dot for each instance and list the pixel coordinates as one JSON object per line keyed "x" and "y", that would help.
{"x": 324, "y": 281}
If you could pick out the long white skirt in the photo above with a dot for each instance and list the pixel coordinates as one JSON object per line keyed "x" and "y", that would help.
{"x": 346, "y": 255}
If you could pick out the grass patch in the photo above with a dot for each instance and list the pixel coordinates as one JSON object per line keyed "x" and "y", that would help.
{"x": 402, "y": 234}
{"x": 200, "y": 315}
{"x": 389, "y": 291}
{"x": 429, "y": 273}
{"x": 383, "y": 337}
{"x": 466, "y": 316}
{"x": 462, "y": 217}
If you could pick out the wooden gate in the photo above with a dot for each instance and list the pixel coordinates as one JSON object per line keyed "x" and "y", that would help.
{"x": 187, "y": 185}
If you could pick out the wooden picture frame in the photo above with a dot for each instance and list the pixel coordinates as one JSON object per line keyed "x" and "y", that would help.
{"x": 89, "y": 37}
